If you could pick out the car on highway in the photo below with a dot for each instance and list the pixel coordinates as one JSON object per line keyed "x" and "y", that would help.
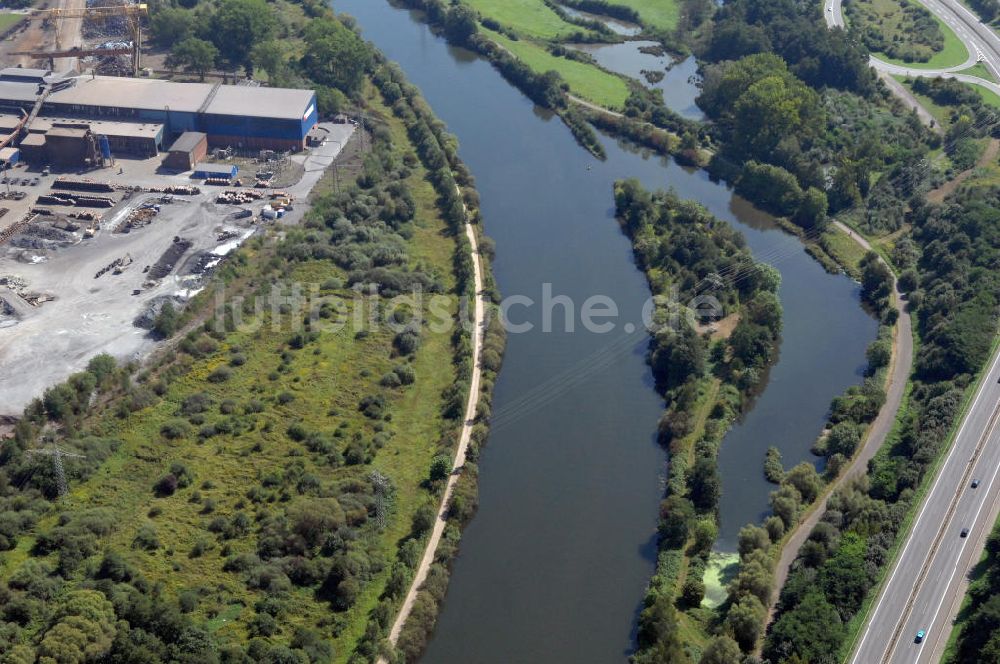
{"x": 920, "y": 637}
{"x": 964, "y": 533}
{"x": 975, "y": 484}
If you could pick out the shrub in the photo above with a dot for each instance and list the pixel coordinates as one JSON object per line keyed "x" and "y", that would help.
{"x": 166, "y": 485}
{"x": 146, "y": 539}
{"x": 175, "y": 429}
{"x": 220, "y": 375}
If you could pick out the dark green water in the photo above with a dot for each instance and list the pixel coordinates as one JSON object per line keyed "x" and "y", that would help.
{"x": 554, "y": 565}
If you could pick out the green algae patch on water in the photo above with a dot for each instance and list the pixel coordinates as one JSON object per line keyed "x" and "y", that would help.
{"x": 721, "y": 569}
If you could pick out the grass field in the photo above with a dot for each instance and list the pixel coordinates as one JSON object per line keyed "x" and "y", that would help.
{"x": 587, "y": 81}
{"x": 941, "y": 113}
{"x": 7, "y": 20}
{"x": 980, "y": 70}
{"x": 658, "y": 14}
{"x": 988, "y": 96}
{"x": 529, "y": 18}
{"x": 844, "y": 250}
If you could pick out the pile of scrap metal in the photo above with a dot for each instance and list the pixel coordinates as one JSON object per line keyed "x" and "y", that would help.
{"x": 137, "y": 219}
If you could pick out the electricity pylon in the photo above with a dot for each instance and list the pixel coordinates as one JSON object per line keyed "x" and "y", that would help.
{"x": 57, "y": 454}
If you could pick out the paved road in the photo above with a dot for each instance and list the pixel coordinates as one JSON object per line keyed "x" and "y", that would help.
{"x": 899, "y": 373}
{"x": 981, "y": 43}
{"x": 924, "y": 587}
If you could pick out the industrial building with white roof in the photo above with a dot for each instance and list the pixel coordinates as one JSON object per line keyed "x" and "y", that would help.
{"x": 230, "y": 115}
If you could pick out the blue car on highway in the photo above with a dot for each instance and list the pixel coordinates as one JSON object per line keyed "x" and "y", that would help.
{"x": 920, "y": 637}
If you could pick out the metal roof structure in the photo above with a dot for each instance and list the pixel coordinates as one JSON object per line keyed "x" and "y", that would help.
{"x": 138, "y": 93}
{"x": 23, "y": 74}
{"x": 188, "y": 141}
{"x": 213, "y": 169}
{"x": 18, "y": 91}
{"x": 280, "y": 103}
{"x": 153, "y": 94}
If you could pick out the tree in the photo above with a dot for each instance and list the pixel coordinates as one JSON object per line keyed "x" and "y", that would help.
{"x": 753, "y": 538}
{"x": 745, "y": 620}
{"x": 272, "y": 57}
{"x": 843, "y": 438}
{"x": 806, "y": 481}
{"x": 876, "y": 279}
{"x": 879, "y": 354}
{"x": 811, "y": 630}
{"x": 722, "y": 650}
{"x": 102, "y": 366}
{"x": 811, "y": 213}
{"x": 84, "y": 631}
{"x": 705, "y": 484}
{"x": 171, "y": 25}
{"x": 237, "y": 25}
{"x": 194, "y": 55}
{"x": 676, "y": 514}
{"x": 461, "y": 23}
{"x": 693, "y": 591}
{"x": 771, "y": 109}
{"x": 771, "y": 187}
{"x": 335, "y": 56}
{"x": 786, "y": 502}
{"x": 440, "y": 468}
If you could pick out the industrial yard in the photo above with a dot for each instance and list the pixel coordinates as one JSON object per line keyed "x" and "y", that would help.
{"x": 87, "y": 259}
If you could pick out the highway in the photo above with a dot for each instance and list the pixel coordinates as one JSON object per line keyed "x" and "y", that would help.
{"x": 924, "y": 587}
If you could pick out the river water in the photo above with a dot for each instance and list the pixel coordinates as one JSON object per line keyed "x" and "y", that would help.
{"x": 553, "y": 567}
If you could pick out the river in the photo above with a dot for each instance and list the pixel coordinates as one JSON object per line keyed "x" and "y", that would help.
{"x": 554, "y": 565}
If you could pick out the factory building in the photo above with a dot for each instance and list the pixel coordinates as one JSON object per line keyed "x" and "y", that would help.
{"x": 71, "y": 142}
{"x": 229, "y": 115}
{"x": 187, "y": 151}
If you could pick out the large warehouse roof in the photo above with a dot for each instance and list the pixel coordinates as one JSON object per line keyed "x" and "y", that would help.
{"x": 153, "y": 94}
{"x": 282, "y": 103}
{"x": 141, "y": 93}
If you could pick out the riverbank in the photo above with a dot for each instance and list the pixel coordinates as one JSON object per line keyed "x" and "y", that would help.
{"x": 896, "y": 388}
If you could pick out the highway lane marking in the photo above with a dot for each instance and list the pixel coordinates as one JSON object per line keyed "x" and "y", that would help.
{"x": 954, "y": 447}
{"x": 961, "y": 548}
{"x": 939, "y": 537}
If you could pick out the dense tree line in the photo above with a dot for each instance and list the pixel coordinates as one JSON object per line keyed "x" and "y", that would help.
{"x": 248, "y": 34}
{"x": 949, "y": 272}
{"x": 797, "y": 152}
{"x": 688, "y": 254}
{"x": 794, "y": 30}
{"x": 988, "y": 10}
